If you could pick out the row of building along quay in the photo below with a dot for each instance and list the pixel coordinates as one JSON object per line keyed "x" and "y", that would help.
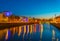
{"x": 7, "y": 17}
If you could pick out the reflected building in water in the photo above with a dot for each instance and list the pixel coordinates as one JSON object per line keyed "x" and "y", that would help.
{"x": 29, "y": 32}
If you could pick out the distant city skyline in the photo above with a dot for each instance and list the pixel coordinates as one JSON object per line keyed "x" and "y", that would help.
{"x": 31, "y": 8}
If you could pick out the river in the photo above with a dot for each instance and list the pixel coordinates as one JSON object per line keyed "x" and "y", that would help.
{"x": 34, "y": 32}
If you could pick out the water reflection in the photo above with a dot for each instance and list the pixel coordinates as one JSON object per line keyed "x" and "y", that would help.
{"x": 41, "y": 30}
{"x": 34, "y": 32}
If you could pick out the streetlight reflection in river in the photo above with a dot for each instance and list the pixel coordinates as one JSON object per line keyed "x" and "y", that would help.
{"x": 41, "y": 30}
{"x": 34, "y": 27}
{"x": 19, "y": 31}
{"x": 6, "y": 35}
{"x": 24, "y": 29}
{"x": 30, "y": 29}
{"x": 53, "y": 35}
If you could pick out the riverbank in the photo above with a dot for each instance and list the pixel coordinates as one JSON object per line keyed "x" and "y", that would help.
{"x": 57, "y": 25}
{"x": 10, "y": 25}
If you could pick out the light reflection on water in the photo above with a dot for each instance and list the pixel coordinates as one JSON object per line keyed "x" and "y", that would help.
{"x": 34, "y": 32}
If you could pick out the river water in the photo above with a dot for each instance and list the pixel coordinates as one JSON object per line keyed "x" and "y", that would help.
{"x": 33, "y": 32}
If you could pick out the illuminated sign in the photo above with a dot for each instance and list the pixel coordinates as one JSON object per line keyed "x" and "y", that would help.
{"x": 7, "y": 14}
{"x": 26, "y": 19}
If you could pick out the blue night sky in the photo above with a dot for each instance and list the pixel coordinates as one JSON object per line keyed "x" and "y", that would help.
{"x": 31, "y": 8}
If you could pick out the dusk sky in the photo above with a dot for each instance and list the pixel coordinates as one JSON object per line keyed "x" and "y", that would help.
{"x": 31, "y": 8}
